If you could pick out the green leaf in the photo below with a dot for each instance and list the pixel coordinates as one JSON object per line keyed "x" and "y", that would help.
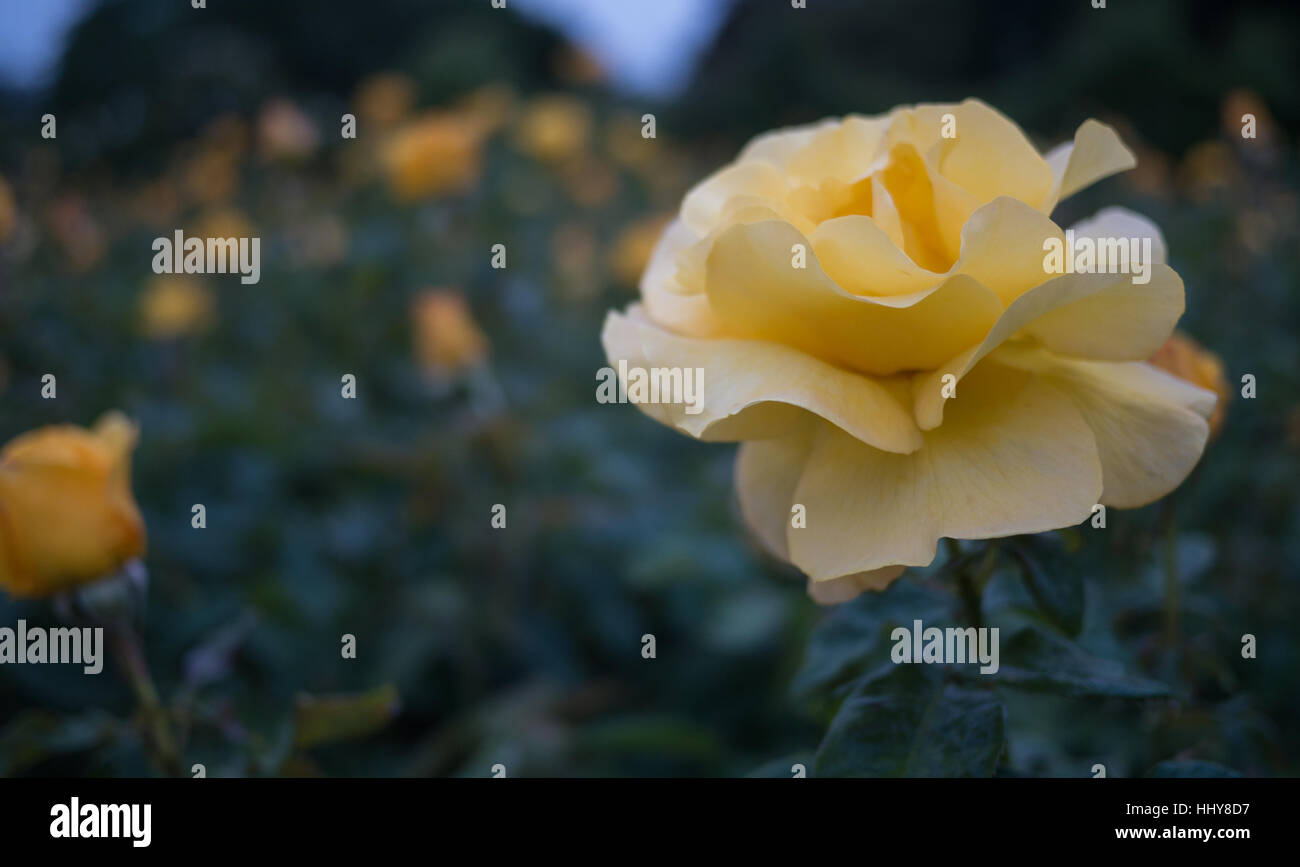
{"x": 913, "y": 723}
{"x": 854, "y": 636}
{"x": 1190, "y": 768}
{"x": 36, "y": 735}
{"x": 1040, "y": 661}
{"x": 327, "y": 719}
{"x": 1055, "y": 583}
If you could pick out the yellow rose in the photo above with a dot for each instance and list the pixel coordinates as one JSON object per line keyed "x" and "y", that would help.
{"x": 554, "y": 128}
{"x": 436, "y": 153}
{"x": 877, "y": 321}
{"x": 1188, "y": 360}
{"x": 447, "y": 339}
{"x": 67, "y": 516}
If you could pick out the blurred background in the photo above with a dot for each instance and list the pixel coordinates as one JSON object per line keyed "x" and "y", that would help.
{"x": 475, "y": 385}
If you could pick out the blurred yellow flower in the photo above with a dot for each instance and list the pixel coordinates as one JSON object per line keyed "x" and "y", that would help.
{"x": 285, "y": 132}
{"x": 67, "y": 516}
{"x": 383, "y": 100}
{"x": 447, "y": 339}
{"x": 8, "y": 210}
{"x": 439, "y": 152}
{"x": 175, "y": 305}
{"x": 632, "y": 248}
{"x": 1191, "y": 362}
{"x": 553, "y": 128}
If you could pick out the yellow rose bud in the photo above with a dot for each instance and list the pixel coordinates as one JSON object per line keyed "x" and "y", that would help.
{"x": 880, "y": 309}
{"x": 447, "y": 339}
{"x": 67, "y": 516}
{"x": 1188, "y": 360}
{"x": 435, "y": 154}
{"x": 174, "y": 305}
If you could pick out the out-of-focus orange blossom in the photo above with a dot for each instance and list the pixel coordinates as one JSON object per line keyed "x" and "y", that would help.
{"x": 1190, "y": 361}
{"x": 438, "y": 152}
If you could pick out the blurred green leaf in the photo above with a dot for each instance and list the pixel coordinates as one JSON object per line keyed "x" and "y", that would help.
{"x": 1036, "y": 660}
{"x": 1055, "y": 583}
{"x": 34, "y": 736}
{"x": 853, "y": 637}
{"x": 327, "y": 719}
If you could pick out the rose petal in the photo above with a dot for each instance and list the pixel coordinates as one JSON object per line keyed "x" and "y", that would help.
{"x": 1150, "y": 427}
{"x": 666, "y": 300}
{"x": 990, "y": 157}
{"x": 1096, "y": 152}
{"x": 1123, "y": 322}
{"x": 703, "y": 206}
{"x": 844, "y": 152}
{"x": 837, "y": 590}
{"x": 1115, "y": 222}
{"x": 1015, "y": 456}
{"x": 754, "y": 288}
{"x": 767, "y": 471}
{"x": 1151, "y": 315}
{"x": 779, "y": 146}
{"x": 750, "y": 386}
{"x": 1001, "y": 247}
